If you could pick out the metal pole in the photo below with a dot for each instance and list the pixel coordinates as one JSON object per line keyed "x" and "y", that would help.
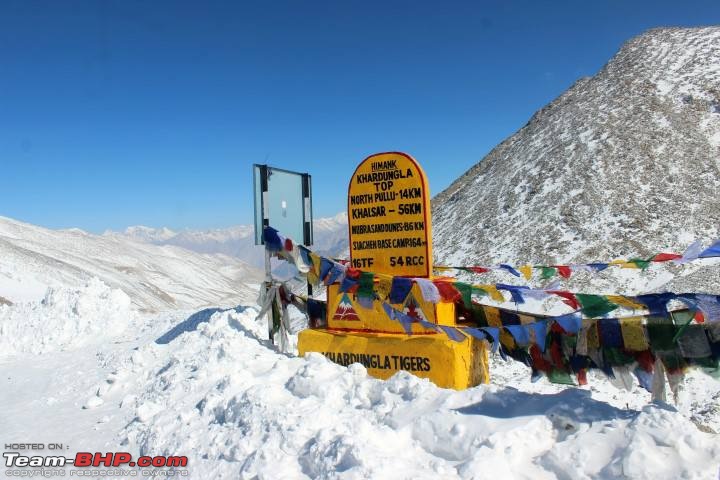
{"x": 268, "y": 286}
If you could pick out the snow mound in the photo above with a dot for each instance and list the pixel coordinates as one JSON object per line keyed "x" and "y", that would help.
{"x": 65, "y": 319}
{"x": 216, "y": 391}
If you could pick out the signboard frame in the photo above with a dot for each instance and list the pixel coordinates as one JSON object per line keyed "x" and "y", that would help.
{"x": 263, "y": 193}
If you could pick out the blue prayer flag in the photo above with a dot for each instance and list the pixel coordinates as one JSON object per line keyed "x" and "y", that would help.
{"x": 272, "y": 240}
{"x": 519, "y": 333}
{"x": 452, "y": 333}
{"x": 712, "y": 251}
{"x": 400, "y": 289}
{"x": 510, "y": 269}
{"x": 540, "y": 328}
{"x": 571, "y": 322}
{"x": 514, "y": 291}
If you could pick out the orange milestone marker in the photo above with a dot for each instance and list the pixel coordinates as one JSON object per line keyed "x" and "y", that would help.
{"x": 389, "y": 216}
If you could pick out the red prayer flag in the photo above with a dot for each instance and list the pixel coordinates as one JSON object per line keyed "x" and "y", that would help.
{"x": 353, "y": 273}
{"x": 447, "y": 291}
{"x": 557, "y": 355}
{"x": 479, "y": 269}
{"x": 539, "y": 362}
{"x": 568, "y": 298}
{"x": 646, "y": 360}
{"x": 563, "y": 270}
{"x": 665, "y": 257}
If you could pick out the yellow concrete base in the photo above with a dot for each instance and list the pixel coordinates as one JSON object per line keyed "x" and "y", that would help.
{"x": 446, "y": 363}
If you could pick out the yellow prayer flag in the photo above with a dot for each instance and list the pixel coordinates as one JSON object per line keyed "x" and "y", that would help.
{"x": 507, "y": 340}
{"x": 492, "y": 315}
{"x": 527, "y": 319}
{"x": 593, "y": 337}
{"x": 526, "y": 270}
{"x": 383, "y": 286}
{"x": 625, "y": 302}
{"x": 492, "y": 291}
{"x": 633, "y": 334}
{"x": 623, "y": 264}
{"x": 315, "y": 263}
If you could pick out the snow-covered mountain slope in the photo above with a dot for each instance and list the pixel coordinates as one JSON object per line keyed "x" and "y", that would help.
{"x": 155, "y": 277}
{"x": 330, "y": 238}
{"x": 626, "y": 163}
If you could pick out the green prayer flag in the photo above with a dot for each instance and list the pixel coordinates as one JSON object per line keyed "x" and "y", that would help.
{"x": 595, "y": 305}
{"x": 558, "y": 376}
{"x": 641, "y": 263}
{"x": 479, "y": 291}
{"x": 479, "y": 316}
{"x": 548, "y": 273}
{"x": 276, "y": 318}
{"x": 616, "y": 357}
{"x": 465, "y": 290}
{"x": 708, "y": 364}
{"x": 661, "y": 336}
{"x": 367, "y": 285}
{"x": 681, "y": 317}
{"x": 672, "y": 361}
{"x": 569, "y": 342}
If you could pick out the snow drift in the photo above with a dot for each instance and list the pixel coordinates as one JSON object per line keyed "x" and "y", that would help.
{"x": 218, "y": 393}
{"x": 65, "y": 319}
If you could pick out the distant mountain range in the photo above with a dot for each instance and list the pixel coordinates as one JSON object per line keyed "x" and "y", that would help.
{"x": 330, "y": 235}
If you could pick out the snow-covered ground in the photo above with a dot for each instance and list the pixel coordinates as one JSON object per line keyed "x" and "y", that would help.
{"x": 207, "y": 384}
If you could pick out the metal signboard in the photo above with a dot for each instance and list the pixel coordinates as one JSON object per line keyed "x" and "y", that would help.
{"x": 283, "y": 200}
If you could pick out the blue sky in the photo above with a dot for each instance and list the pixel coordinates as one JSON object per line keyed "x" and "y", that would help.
{"x": 117, "y": 113}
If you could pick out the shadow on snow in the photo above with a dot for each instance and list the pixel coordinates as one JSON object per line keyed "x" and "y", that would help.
{"x": 574, "y": 404}
{"x": 191, "y": 323}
